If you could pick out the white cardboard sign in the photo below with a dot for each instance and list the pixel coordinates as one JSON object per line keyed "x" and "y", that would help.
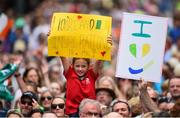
{"x": 141, "y": 47}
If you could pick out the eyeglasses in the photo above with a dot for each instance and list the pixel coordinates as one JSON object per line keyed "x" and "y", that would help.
{"x": 92, "y": 114}
{"x": 26, "y": 102}
{"x": 48, "y": 98}
{"x": 54, "y": 106}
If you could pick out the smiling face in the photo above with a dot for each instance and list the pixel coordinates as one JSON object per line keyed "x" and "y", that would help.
{"x": 46, "y": 99}
{"x": 26, "y": 106}
{"x": 58, "y": 107}
{"x": 80, "y": 67}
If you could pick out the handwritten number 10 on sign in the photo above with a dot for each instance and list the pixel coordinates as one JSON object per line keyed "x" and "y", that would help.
{"x": 65, "y": 24}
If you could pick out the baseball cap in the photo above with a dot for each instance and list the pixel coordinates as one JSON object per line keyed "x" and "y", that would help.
{"x": 30, "y": 95}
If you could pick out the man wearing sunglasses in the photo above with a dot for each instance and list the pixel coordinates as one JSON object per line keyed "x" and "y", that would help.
{"x": 27, "y": 102}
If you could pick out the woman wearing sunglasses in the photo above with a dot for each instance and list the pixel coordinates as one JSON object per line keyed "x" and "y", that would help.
{"x": 46, "y": 99}
{"x": 58, "y": 106}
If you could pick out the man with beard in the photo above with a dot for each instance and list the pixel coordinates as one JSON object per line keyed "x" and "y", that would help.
{"x": 27, "y": 103}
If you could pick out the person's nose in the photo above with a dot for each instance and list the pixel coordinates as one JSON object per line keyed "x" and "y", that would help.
{"x": 120, "y": 112}
{"x": 34, "y": 76}
{"x": 26, "y": 104}
{"x": 101, "y": 97}
{"x": 80, "y": 68}
{"x": 57, "y": 107}
{"x": 175, "y": 88}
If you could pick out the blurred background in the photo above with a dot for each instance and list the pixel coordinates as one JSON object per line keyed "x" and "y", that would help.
{"x": 29, "y": 18}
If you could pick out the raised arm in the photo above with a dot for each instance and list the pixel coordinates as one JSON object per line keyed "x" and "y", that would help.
{"x": 98, "y": 65}
{"x": 65, "y": 62}
{"x": 145, "y": 99}
{"x": 20, "y": 82}
{"x": 17, "y": 60}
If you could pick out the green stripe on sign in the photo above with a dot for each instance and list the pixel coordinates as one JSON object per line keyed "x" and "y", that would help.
{"x": 98, "y": 24}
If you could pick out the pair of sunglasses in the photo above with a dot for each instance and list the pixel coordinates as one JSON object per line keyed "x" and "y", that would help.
{"x": 26, "y": 102}
{"x": 54, "y": 106}
{"x": 48, "y": 98}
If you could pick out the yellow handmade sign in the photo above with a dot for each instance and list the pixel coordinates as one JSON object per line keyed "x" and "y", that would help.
{"x": 80, "y": 35}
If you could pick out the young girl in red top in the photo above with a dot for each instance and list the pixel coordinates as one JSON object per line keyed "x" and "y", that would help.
{"x": 81, "y": 77}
